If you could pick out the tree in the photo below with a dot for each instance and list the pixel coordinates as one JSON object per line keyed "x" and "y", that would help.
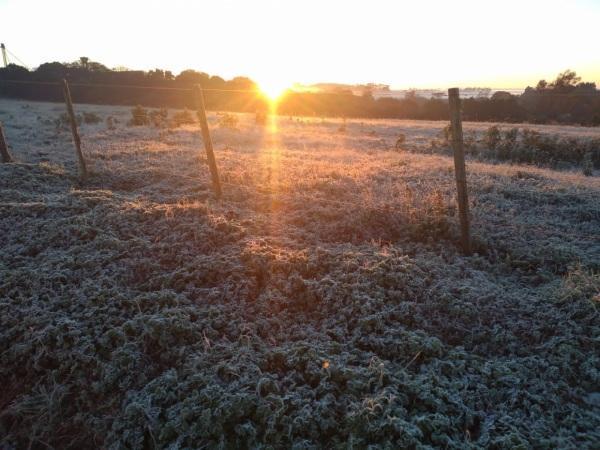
{"x": 242, "y": 83}
{"x": 565, "y": 81}
{"x": 192, "y": 77}
{"x": 501, "y": 95}
{"x": 51, "y": 71}
{"x": 94, "y": 66}
{"x": 14, "y": 72}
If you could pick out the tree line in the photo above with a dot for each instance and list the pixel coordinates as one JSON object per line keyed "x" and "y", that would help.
{"x": 565, "y": 100}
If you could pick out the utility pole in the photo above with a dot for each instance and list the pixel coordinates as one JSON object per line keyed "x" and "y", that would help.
{"x": 4, "y": 57}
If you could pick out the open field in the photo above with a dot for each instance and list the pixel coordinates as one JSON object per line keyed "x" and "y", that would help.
{"x": 323, "y": 303}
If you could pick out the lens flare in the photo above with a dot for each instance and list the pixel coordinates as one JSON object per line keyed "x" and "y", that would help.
{"x": 273, "y": 89}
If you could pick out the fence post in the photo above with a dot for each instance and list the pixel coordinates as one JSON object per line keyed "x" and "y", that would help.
{"x": 459, "y": 167}
{"x": 6, "y": 158}
{"x": 210, "y": 155}
{"x": 76, "y": 139}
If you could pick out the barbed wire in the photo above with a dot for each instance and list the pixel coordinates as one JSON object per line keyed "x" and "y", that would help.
{"x": 129, "y": 86}
{"x": 257, "y": 92}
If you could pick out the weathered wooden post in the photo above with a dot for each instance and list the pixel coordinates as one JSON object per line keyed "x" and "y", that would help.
{"x": 6, "y": 158}
{"x": 459, "y": 168}
{"x": 67, "y": 93}
{"x": 210, "y": 155}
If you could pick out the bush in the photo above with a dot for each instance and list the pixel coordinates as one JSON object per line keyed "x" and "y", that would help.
{"x": 91, "y": 118}
{"x": 63, "y": 122}
{"x": 470, "y": 142}
{"x": 507, "y": 144}
{"x": 525, "y": 146}
{"x": 158, "y": 117}
{"x": 492, "y": 138}
{"x": 111, "y": 123}
{"x": 139, "y": 116}
{"x": 228, "y": 121}
{"x": 184, "y": 117}
{"x": 446, "y": 135}
{"x": 261, "y": 118}
{"x": 400, "y": 141}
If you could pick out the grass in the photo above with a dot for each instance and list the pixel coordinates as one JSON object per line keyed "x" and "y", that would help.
{"x": 322, "y": 304}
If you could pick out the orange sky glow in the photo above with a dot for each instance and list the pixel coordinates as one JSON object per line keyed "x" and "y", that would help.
{"x": 406, "y": 44}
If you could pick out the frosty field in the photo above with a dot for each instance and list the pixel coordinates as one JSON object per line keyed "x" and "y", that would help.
{"x": 323, "y": 303}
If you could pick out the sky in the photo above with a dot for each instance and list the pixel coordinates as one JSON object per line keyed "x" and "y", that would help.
{"x": 406, "y": 44}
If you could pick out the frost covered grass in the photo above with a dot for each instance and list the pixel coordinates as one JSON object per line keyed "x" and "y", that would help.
{"x": 322, "y": 304}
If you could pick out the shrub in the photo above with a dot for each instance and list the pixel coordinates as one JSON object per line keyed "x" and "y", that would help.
{"x": 492, "y": 138}
{"x": 111, "y": 123}
{"x": 470, "y": 142}
{"x": 158, "y": 117}
{"x": 580, "y": 284}
{"x": 139, "y": 116}
{"x": 184, "y": 117}
{"x": 261, "y": 118}
{"x": 228, "y": 121}
{"x": 446, "y": 135}
{"x": 91, "y": 118}
{"x": 507, "y": 144}
{"x": 63, "y": 122}
{"x": 400, "y": 141}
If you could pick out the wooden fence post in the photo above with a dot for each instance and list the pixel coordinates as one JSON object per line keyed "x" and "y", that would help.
{"x": 459, "y": 168}
{"x": 210, "y": 155}
{"x": 6, "y": 158}
{"x": 76, "y": 139}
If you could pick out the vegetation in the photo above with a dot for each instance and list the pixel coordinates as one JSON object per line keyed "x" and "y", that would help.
{"x": 228, "y": 120}
{"x": 323, "y": 303}
{"x": 565, "y": 100}
{"x": 184, "y": 117}
{"x": 139, "y": 116}
{"x": 523, "y": 146}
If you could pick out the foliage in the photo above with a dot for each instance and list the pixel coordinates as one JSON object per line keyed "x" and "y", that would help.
{"x": 322, "y": 303}
{"x": 228, "y": 121}
{"x": 159, "y": 117}
{"x": 400, "y": 141}
{"x": 492, "y": 137}
{"x": 180, "y": 118}
{"x": 577, "y": 102}
{"x": 111, "y": 123}
{"x": 63, "y": 122}
{"x": 91, "y": 118}
{"x": 527, "y": 146}
{"x": 139, "y": 116}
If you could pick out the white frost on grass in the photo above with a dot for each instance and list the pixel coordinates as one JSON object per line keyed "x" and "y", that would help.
{"x": 322, "y": 301}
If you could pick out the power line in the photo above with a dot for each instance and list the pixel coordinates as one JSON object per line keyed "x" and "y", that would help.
{"x": 16, "y": 57}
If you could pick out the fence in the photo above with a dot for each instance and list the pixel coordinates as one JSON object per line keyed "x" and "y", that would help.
{"x": 197, "y": 94}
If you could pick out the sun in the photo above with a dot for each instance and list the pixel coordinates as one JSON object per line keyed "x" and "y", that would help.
{"x": 273, "y": 89}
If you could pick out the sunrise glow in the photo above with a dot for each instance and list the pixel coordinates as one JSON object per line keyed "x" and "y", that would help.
{"x": 273, "y": 89}
{"x": 404, "y": 44}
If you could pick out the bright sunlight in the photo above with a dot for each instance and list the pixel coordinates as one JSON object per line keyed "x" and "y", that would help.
{"x": 273, "y": 89}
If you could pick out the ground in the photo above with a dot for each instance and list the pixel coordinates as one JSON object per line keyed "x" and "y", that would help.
{"x": 322, "y": 303}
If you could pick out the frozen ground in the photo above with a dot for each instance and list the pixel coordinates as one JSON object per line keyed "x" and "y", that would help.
{"x": 321, "y": 303}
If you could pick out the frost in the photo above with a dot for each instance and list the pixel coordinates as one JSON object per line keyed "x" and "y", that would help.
{"x": 322, "y": 304}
